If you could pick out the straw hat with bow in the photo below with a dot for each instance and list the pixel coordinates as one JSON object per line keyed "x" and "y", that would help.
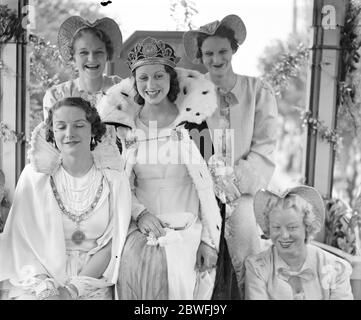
{"x": 71, "y": 26}
{"x": 231, "y": 21}
{"x": 264, "y": 199}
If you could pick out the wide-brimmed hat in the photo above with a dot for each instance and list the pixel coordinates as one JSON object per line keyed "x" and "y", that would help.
{"x": 263, "y": 198}
{"x": 231, "y": 21}
{"x": 71, "y": 26}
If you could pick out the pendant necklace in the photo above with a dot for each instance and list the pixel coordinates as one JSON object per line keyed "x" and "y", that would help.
{"x": 78, "y": 236}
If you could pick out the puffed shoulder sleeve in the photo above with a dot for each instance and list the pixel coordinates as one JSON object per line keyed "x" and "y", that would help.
{"x": 257, "y": 270}
{"x": 255, "y": 171}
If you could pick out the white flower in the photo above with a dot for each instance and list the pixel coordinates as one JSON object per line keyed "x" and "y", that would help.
{"x": 329, "y": 275}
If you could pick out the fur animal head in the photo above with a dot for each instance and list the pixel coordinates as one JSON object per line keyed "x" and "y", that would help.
{"x": 197, "y": 99}
{"x": 117, "y": 106}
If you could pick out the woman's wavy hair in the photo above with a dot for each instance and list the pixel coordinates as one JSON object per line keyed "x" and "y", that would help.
{"x": 222, "y": 32}
{"x": 98, "y": 33}
{"x": 98, "y": 128}
{"x": 300, "y": 205}
{"x": 173, "y": 90}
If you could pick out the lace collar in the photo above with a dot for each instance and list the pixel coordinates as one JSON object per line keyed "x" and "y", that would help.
{"x": 45, "y": 158}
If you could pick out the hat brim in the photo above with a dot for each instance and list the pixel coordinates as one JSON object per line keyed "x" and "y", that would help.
{"x": 231, "y": 21}
{"x": 309, "y": 194}
{"x": 74, "y": 24}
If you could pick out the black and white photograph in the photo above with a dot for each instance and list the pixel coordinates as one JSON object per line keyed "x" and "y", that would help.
{"x": 196, "y": 151}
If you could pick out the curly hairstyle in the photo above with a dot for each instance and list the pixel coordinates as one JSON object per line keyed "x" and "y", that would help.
{"x": 99, "y": 34}
{"x": 300, "y": 205}
{"x": 222, "y": 32}
{"x": 98, "y": 128}
{"x": 173, "y": 90}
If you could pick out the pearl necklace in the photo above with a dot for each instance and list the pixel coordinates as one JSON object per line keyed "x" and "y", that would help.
{"x": 77, "y": 196}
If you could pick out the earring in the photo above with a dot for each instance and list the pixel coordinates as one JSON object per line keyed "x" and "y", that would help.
{"x": 92, "y": 143}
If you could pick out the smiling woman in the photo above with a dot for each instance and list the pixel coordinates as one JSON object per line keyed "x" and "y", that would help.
{"x": 90, "y": 55}
{"x": 89, "y": 46}
{"x": 69, "y": 248}
{"x": 172, "y": 244}
{"x": 246, "y": 107}
{"x": 153, "y": 83}
{"x": 76, "y": 130}
{"x": 292, "y": 268}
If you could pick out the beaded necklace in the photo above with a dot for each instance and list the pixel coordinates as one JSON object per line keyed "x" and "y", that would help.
{"x": 78, "y": 236}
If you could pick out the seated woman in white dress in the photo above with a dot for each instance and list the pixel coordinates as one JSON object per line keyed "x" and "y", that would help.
{"x": 292, "y": 268}
{"x": 180, "y": 227}
{"x": 71, "y": 211}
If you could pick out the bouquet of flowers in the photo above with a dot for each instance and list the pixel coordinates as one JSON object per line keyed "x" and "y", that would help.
{"x": 225, "y": 182}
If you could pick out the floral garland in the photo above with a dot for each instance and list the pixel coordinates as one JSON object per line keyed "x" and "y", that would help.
{"x": 349, "y": 108}
{"x": 279, "y": 77}
{"x": 317, "y": 126}
{"x": 347, "y": 90}
{"x": 287, "y": 68}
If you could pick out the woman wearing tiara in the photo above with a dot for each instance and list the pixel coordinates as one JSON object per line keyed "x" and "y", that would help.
{"x": 88, "y": 46}
{"x": 171, "y": 248}
{"x": 71, "y": 211}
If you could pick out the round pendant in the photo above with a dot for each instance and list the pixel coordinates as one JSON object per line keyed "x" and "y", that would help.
{"x": 78, "y": 237}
